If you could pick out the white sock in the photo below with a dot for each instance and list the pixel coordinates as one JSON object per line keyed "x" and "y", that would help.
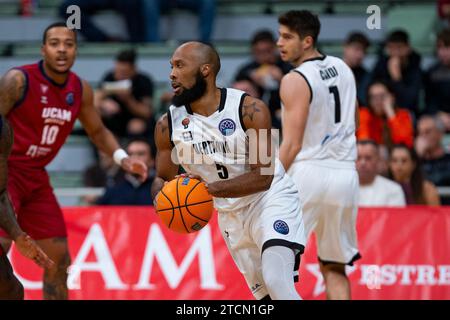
{"x": 277, "y": 268}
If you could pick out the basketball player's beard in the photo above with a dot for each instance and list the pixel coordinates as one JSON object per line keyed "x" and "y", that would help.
{"x": 190, "y": 95}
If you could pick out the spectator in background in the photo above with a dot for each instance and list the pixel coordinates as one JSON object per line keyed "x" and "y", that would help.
{"x": 375, "y": 190}
{"x": 124, "y": 99}
{"x": 265, "y": 71}
{"x": 105, "y": 173}
{"x": 444, "y": 10}
{"x": 27, "y": 7}
{"x": 437, "y": 81}
{"x": 131, "y": 10}
{"x": 405, "y": 169}
{"x": 400, "y": 67}
{"x": 206, "y": 10}
{"x": 355, "y": 49}
{"x": 130, "y": 191}
{"x": 247, "y": 86}
{"x": 382, "y": 121}
{"x": 429, "y": 147}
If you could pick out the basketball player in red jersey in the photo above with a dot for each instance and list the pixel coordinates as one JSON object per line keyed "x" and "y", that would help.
{"x": 42, "y": 102}
{"x": 10, "y": 287}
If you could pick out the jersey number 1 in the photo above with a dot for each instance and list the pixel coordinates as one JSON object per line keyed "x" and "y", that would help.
{"x": 337, "y": 104}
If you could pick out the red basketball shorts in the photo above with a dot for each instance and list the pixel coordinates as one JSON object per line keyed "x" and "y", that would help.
{"x": 36, "y": 207}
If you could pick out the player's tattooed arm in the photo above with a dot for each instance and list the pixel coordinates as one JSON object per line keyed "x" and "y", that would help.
{"x": 8, "y": 220}
{"x": 249, "y": 110}
{"x": 24, "y": 244}
{"x": 165, "y": 168}
{"x": 12, "y": 89}
{"x": 256, "y": 119}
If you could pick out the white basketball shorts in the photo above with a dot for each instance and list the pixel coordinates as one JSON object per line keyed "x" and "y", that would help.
{"x": 328, "y": 193}
{"x": 274, "y": 220}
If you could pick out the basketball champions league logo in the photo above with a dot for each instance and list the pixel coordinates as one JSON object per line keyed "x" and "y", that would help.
{"x": 70, "y": 99}
{"x": 281, "y": 227}
{"x": 227, "y": 127}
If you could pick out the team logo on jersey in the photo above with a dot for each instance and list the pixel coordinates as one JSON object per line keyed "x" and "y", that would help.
{"x": 69, "y": 98}
{"x": 185, "y": 122}
{"x": 187, "y": 136}
{"x": 227, "y": 127}
{"x": 281, "y": 227}
{"x": 44, "y": 88}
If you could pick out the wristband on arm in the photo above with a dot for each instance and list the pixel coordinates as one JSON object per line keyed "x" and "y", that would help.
{"x": 119, "y": 155}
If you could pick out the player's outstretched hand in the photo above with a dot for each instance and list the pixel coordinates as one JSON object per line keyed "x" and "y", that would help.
{"x": 29, "y": 249}
{"x": 136, "y": 167}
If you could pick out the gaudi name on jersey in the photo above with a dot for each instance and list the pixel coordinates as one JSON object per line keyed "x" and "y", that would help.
{"x": 328, "y": 73}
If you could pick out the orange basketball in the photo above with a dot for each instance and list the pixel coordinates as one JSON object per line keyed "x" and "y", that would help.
{"x": 184, "y": 205}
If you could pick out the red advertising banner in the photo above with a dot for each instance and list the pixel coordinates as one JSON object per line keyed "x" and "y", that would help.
{"x": 126, "y": 253}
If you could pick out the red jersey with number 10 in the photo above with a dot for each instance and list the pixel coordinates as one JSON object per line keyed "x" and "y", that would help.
{"x": 44, "y": 117}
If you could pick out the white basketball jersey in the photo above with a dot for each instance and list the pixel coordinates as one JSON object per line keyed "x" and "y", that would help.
{"x": 330, "y": 128}
{"x": 215, "y": 147}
